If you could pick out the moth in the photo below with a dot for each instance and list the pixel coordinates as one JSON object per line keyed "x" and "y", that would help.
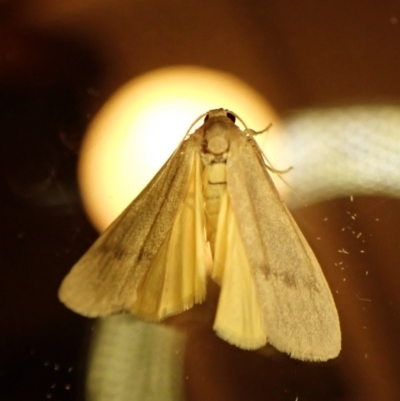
{"x": 214, "y": 193}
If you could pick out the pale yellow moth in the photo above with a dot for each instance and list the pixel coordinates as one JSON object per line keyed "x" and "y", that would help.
{"x": 214, "y": 191}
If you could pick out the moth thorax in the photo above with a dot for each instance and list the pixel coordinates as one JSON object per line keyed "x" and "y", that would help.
{"x": 217, "y": 145}
{"x": 216, "y": 137}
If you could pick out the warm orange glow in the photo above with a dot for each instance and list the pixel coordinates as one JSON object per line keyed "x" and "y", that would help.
{"x": 141, "y": 125}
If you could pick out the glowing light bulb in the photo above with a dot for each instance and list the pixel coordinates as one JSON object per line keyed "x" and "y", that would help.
{"x": 140, "y": 126}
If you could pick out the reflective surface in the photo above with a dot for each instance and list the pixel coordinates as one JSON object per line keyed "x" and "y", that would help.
{"x": 62, "y": 60}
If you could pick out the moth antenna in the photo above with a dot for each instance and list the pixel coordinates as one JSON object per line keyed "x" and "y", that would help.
{"x": 188, "y": 131}
{"x": 193, "y": 124}
{"x": 243, "y": 123}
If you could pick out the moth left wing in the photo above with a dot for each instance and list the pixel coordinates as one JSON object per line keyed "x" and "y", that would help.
{"x": 176, "y": 278}
{"x": 151, "y": 260}
{"x": 299, "y": 313}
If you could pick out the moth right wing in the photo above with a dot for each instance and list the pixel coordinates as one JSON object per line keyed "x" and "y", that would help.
{"x": 299, "y": 312}
{"x": 131, "y": 265}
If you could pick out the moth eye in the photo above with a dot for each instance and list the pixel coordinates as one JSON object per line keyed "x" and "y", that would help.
{"x": 206, "y": 117}
{"x": 231, "y": 116}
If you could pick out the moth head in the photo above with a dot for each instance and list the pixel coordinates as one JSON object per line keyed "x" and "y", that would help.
{"x": 220, "y": 112}
{"x": 219, "y": 126}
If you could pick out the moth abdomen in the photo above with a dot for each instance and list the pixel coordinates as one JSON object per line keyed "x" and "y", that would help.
{"x": 214, "y": 187}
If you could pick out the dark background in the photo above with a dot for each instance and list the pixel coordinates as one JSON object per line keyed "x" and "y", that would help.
{"x": 60, "y": 60}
